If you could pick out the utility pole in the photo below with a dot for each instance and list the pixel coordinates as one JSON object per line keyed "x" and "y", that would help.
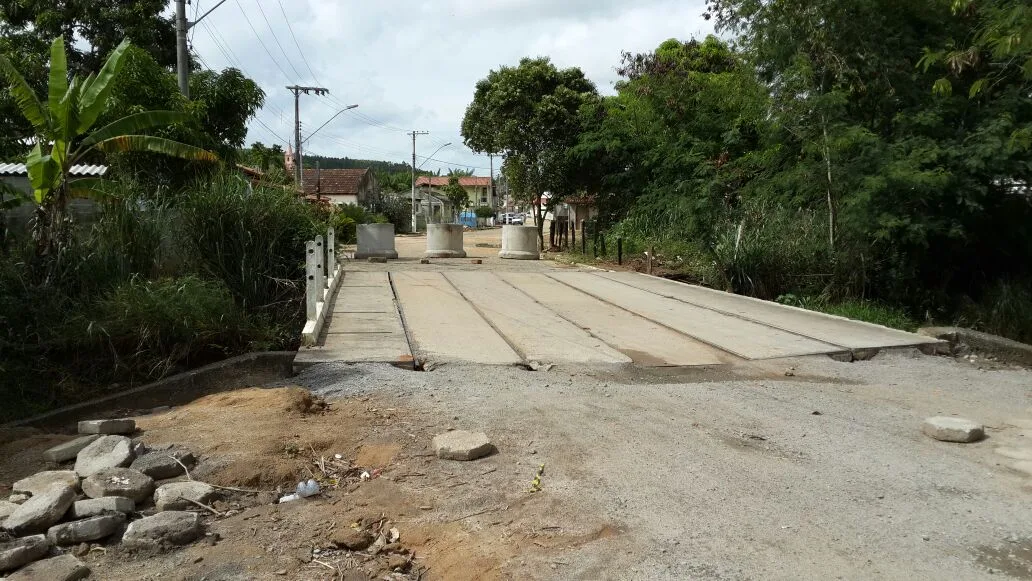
{"x": 182, "y": 50}
{"x": 297, "y": 126}
{"x": 414, "y": 133}
{"x": 494, "y": 202}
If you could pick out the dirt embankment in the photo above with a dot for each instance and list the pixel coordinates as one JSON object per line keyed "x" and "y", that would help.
{"x": 455, "y": 520}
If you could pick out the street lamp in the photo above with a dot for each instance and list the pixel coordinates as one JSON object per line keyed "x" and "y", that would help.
{"x": 312, "y": 134}
{"x": 415, "y": 223}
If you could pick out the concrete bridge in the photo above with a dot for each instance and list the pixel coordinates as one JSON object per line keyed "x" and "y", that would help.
{"x": 509, "y": 313}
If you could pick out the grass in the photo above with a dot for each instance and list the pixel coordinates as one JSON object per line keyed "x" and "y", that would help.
{"x": 871, "y": 312}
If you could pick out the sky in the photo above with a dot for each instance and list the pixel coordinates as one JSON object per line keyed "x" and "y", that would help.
{"x": 414, "y": 64}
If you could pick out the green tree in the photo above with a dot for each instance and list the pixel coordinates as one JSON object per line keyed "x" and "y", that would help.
{"x": 456, "y": 195}
{"x": 63, "y": 138}
{"x": 530, "y": 113}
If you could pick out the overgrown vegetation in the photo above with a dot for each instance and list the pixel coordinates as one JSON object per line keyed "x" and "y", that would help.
{"x": 152, "y": 288}
{"x": 869, "y": 156}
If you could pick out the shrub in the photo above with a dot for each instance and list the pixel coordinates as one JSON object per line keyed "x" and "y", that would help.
{"x": 152, "y": 328}
{"x": 252, "y": 241}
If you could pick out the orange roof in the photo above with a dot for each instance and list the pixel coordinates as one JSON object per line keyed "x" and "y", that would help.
{"x": 441, "y": 181}
{"x": 334, "y": 181}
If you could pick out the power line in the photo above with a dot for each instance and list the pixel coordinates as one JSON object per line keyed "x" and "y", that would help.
{"x": 296, "y": 43}
{"x": 276, "y": 38}
{"x": 270, "y": 130}
{"x": 453, "y": 164}
{"x": 227, "y": 52}
{"x": 259, "y": 38}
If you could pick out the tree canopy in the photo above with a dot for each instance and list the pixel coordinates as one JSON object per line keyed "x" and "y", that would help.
{"x": 530, "y": 113}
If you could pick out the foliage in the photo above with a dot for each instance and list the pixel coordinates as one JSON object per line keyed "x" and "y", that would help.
{"x": 484, "y": 212}
{"x": 249, "y": 239}
{"x": 153, "y": 327}
{"x": 456, "y": 195}
{"x": 152, "y": 289}
{"x": 530, "y": 112}
{"x": 61, "y": 126}
{"x": 376, "y": 166}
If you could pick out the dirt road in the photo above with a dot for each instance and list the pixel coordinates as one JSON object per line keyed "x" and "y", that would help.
{"x": 740, "y": 473}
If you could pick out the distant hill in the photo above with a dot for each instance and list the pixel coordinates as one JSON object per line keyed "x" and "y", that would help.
{"x": 347, "y": 163}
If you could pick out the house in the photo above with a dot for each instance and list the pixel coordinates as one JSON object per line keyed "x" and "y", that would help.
{"x": 82, "y": 210}
{"x": 478, "y": 189}
{"x": 341, "y": 186}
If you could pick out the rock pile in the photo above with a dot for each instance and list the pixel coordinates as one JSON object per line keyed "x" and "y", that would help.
{"x": 110, "y": 491}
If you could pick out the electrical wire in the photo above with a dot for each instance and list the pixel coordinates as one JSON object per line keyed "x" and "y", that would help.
{"x": 259, "y": 38}
{"x": 297, "y": 44}
{"x": 276, "y": 38}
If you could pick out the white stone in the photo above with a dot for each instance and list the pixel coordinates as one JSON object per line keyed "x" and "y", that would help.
{"x": 97, "y": 506}
{"x": 6, "y": 508}
{"x": 461, "y": 445}
{"x": 86, "y": 530}
{"x": 19, "y": 552}
{"x": 63, "y": 568}
{"x": 105, "y": 452}
{"x": 41, "y": 511}
{"x": 178, "y": 495}
{"x": 68, "y": 450}
{"x": 119, "y": 426}
{"x": 375, "y": 240}
{"x": 949, "y": 429}
{"x": 42, "y": 481}
{"x": 132, "y": 484}
{"x": 162, "y": 465}
{"x": 17, "y": 498}
{"x": 520, "y": 243}
{"x": 444, "y": 241}
{"x": 163, "y": 529}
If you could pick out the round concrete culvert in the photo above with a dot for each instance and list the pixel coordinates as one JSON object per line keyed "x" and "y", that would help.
{"x": 444, "y": 241}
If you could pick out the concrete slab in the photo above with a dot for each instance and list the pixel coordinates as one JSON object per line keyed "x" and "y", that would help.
{"x": 364, "y": 323}
{"x": 738, "y": 336}
{"x": 365, "y": 299}
{"x": 537, "y": 333}
{"x": 364, "y": 278}
{"x": 442, "y": 326}
{"x": 826, "y": 328}
{"x": 645, "y": 342}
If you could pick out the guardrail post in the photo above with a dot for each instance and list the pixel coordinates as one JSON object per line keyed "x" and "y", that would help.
{"x": 311, "y": 288}
{"x": 320, "y": 266}
{"x": 331, "y": 252}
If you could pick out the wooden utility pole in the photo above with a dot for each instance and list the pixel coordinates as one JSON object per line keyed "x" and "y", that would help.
{"x": 298, "y": 159}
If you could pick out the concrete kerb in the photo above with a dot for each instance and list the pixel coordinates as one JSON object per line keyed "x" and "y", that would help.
{"x": 233, "y": 373}
{"x": 1007, "y": 350}
{"x": 313, "y": 327}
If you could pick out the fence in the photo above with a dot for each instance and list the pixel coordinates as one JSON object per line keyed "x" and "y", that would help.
{"x": 322, "y": 277}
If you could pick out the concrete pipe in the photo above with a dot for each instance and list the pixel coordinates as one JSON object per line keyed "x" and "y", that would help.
{"x": 375, "y": 240}
{"x": 444, "y": 241}
{"x": 520, "y": 243}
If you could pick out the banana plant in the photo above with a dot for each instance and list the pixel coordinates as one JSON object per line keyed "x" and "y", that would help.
{"x": 63, "y": 122}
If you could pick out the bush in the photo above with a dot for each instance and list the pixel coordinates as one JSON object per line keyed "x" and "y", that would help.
{"x": 152, "y": 328}
{"x": 395, "y": 209}
{"x": 766, "y": 251}
{"x": 252, "y": 241}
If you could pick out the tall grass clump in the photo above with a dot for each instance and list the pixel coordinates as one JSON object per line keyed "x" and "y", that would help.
{"x": 252, "y": 240}
{"x": 768, "y": 250}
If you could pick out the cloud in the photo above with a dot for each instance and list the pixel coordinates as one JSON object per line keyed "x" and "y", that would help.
{"x": 413, "y": 64}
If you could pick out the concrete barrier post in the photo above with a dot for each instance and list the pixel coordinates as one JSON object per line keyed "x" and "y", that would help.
{"x": 320, "y": 266}
{"x": 311, "y": 291}
{"x": 520, "y": 243}
{"x": 444, "y": 241}
{"x": 375, "y": 240}
{"x": 331, "y": 252}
